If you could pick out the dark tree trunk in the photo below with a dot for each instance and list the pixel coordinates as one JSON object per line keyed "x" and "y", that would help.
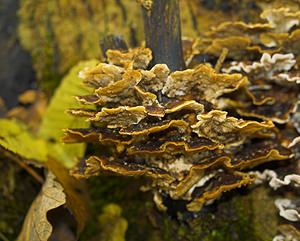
{"x": 163, "y": 33}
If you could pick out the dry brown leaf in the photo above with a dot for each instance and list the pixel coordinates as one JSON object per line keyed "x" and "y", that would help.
{"x": 59, "y": 189}
{"x": 36, "y": 226}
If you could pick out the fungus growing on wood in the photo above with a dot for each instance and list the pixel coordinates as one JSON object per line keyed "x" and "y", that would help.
{"x": 276, "y": 32}
{"x": 179, "y": 138}
{"x": 193, "y": 131}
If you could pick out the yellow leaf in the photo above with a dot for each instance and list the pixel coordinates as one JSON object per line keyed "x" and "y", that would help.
{"x": 56, "y": 119}
{"x": 16, "y": 138}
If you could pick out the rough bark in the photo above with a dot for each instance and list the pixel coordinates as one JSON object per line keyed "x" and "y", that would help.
{"x": 163, "y": 33}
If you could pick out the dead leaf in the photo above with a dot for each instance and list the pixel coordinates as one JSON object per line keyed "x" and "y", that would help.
{"x": 36, "y": 227}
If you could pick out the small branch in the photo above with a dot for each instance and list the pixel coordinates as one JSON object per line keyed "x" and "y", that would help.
{"x": 30, "y": 170}
{"x": 22, "y": 164}
{"x": 163, "y": 33}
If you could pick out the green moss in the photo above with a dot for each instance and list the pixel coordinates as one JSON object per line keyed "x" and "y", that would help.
{"x": 236, "y": 216}
{"x": 264, "y": 214}
{"x": 125, "y": 193}
{"x": 58, "y": 34}
{"x": 112, "y": 225}
{"x": 227, "y": 222}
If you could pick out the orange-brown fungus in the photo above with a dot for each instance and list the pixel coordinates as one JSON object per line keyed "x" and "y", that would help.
{"x": 189, "y": 131}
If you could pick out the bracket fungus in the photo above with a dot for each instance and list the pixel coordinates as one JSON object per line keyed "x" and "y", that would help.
{"x": 196, "y": 131}
{"x": 276, "y": 32}
{"x": 169, "y": 126}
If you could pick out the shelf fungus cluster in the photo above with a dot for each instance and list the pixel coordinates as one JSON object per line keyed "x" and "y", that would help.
{"x": 195, "y": 133}
{"x": 277, "y": 32}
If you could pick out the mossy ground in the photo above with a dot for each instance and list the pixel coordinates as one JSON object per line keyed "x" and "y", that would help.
{"x": 229, "y": 219}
